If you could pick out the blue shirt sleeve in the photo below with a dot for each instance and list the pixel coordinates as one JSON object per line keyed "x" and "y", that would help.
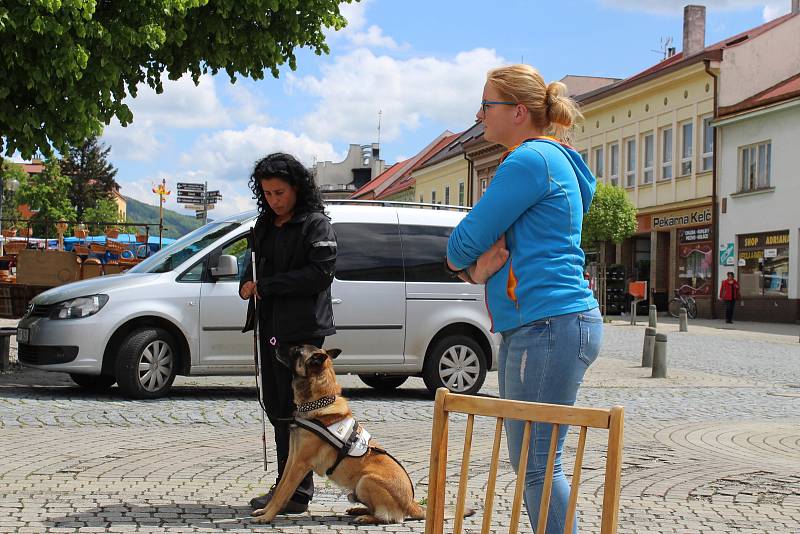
{"x": 520, "y": 181}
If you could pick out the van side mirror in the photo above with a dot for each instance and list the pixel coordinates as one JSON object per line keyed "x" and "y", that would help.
{"x": 226, "y": 266}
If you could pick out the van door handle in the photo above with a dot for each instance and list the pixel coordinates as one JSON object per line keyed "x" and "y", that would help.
{"x": 336, "y": 301}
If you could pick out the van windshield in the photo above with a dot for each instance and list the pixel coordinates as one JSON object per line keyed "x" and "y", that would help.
{"x": 184, "y": 248}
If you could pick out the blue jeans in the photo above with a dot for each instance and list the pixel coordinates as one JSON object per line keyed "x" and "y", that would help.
{"x": 545, "y": 361}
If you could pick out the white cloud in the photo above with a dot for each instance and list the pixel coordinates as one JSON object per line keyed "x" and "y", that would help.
{"x": 358, "y": 34}
{"x": 771, "y": 8}
{"x": 374, "y": 38}
{"x": 356, "y": 86}
{"x": 225, "y": 159}
{"x": 182, "y": 105}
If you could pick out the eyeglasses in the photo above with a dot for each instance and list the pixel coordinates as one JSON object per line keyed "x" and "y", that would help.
{"x": 485, "y": 103}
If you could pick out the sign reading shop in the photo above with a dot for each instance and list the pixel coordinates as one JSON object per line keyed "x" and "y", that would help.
{"x": 693, "y": 217}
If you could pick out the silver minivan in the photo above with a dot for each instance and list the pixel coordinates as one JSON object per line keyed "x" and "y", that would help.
{"x": 397, "y": 313}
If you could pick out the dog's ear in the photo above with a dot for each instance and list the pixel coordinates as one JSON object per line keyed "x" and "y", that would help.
{"x": 317, "y": 360}
{"x": 333, "y": 353}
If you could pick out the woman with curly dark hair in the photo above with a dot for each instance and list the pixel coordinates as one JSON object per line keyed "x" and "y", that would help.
{"x": 295, "y": 259}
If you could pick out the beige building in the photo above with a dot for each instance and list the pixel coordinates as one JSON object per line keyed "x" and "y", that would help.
{"x": 652, "y": 134}
{"x": 443, "y": 179}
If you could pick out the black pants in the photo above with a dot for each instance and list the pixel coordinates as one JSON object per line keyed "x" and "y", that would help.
{"x": 276, "y": 382}
{"x": 729, "y": 307}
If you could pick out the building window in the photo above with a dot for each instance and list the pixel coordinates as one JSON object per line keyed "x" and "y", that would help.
{"x": 686, "y": 149}
{"x": 755, "y": 164}
{"x": 647, "y": 159}
{"x": 666, "y": 154}
{"x": 484, "y": 185}
{"x": 764, "y": 264}
{"x": 599, "y": 162}
{"x": 460, "y": 193}
{"x": 613, "y": 151}
{"x": 433, "y": 197}
{"x": 630, "y": 162}
{"x": 447, "y": 195}
{"x": 708, "y": 144}
{"x": 585, "y": 156}
{"x": 421, "y": 198}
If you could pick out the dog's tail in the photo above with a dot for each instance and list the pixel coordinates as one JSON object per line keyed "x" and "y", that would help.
{"x": 415, "y": 511}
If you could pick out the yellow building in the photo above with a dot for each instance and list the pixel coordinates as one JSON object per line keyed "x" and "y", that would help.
{"x": 443, "y": 179}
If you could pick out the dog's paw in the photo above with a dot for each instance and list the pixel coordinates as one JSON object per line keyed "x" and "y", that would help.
{"x": 261, "y": 518}
{"x": 258, "y": 512}
{"x": 357, "y": 510}
{"x": 367, "y": 520}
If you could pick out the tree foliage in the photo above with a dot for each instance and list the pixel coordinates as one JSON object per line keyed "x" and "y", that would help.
{"x": 104, "y": 210}
{"x": 68, "y": 64}
{"x": 611, "y": 217}
{"x": 47, "y": 194}
{"x": 11, "y": 171}
{"x": 92, "y": 177}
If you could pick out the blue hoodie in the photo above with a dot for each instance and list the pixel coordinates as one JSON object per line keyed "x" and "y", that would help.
{"x": 537, "y": 198}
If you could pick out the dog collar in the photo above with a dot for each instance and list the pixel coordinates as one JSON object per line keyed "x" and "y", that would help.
{"x": 316, "y": 405}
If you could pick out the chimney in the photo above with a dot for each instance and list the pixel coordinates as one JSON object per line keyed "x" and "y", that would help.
{"x": 694, "y": 29}
{"x": 795, "y": 7}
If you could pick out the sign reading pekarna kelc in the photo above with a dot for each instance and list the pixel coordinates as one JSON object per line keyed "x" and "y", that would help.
{"x": 700, "y": 216}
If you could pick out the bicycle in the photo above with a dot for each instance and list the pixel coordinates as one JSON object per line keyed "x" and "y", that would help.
{"x": 682, "y": 301}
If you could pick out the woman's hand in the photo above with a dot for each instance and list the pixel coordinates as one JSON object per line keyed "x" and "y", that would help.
{"x": 490, "y": 262}
{"x": 248, "y": 290}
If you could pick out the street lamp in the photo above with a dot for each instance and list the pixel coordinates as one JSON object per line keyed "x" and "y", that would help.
{"x": 5, "y": 185}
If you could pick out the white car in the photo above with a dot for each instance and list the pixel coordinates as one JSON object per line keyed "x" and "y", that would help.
{"x": 397, "y": 313}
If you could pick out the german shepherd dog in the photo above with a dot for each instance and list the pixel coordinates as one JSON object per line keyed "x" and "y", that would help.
{"x": 376, "y": 480}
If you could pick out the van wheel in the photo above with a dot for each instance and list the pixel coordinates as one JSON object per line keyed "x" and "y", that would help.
{"x": 383, "y": 382}
{"x": 93, "y": 382}
{"x": 457, "y": 363}
{"x": 147, "y": 363}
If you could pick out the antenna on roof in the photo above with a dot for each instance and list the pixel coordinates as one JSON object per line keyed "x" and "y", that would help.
{"x": 665, "y": 48}
{"x": 379, "y": 126}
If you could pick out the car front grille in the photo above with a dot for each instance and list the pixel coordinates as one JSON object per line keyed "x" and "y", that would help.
{"x": 45, "y": 355}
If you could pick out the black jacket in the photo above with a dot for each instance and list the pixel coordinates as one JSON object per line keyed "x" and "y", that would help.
{"x": 300, "y": 287}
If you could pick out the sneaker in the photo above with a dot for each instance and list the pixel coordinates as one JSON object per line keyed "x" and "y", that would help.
{"x": 292, "y": 507}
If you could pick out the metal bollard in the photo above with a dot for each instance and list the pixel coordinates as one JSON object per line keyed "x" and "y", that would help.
{"x": 649, "y": 345}
{"x": 633, "y": 312}
{"x": 684, "y": 326}
{"x": 5, "y": 353}
{"x": 660, "y": 357}
{"x": 652, "y": 316}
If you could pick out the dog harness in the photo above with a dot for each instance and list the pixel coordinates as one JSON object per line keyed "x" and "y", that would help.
{"x": 346, "y": 436}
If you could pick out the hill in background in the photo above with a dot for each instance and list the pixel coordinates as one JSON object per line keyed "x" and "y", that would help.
{"x": 175, "y": 224}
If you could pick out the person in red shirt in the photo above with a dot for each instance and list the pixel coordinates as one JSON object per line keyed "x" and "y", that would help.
{"x": 729, "y": 292}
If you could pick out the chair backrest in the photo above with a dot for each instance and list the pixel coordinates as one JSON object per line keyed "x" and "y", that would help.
{"x": 530, "y": 412}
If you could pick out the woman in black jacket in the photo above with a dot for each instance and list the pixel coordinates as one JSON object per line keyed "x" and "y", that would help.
{"x": 295, "y": 256}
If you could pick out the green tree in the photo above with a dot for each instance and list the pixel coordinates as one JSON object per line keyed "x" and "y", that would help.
{"x": 91, "y": 174}
{"x": 611, "y": 217}
{"x": 11, "y": 171}
{"x": 104, "y": 210}
{"x": 47, "y": 194}
{"x": 68, "y": 65}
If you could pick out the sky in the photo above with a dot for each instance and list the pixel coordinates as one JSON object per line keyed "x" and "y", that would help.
{"x": 421, "y": 64}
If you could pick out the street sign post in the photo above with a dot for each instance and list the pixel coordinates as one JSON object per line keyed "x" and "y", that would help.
{"x": 184, "y": 186}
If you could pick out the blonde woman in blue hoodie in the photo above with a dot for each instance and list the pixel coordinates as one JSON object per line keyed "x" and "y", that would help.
{"x": 522, "y": 239}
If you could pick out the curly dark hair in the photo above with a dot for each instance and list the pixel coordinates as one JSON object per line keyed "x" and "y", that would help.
{"x": 290, "y": 170}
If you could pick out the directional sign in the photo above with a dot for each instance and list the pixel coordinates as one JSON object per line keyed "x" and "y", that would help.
{"x": 190, "y": 193}
{"x": 191, "y": 187}
{"x": 200, "y": 215}
{"x": 213, "y": 193}
{"x": 188, "y": 198}
{"x": 197, "y": 207}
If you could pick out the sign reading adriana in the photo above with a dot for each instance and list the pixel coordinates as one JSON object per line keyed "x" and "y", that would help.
{"x": 700, "y": 216}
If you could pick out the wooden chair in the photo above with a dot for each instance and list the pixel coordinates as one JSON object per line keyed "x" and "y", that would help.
{"x": 530, "y": 412}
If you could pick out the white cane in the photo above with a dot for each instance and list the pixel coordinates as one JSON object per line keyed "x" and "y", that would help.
{"x": 256, "y": 342}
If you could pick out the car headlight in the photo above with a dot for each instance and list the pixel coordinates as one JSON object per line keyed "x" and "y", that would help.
{"x": 79, "y": 307}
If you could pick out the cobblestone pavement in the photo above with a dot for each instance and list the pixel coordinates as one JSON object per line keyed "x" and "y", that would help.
{"x": 713, "y": 448}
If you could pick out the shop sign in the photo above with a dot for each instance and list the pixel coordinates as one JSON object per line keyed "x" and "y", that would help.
{"x": 690, "y": 235}
{"x": 675, "y": 219}
{"x": 726, "y": 254}
{"x": 767, "y": 239}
